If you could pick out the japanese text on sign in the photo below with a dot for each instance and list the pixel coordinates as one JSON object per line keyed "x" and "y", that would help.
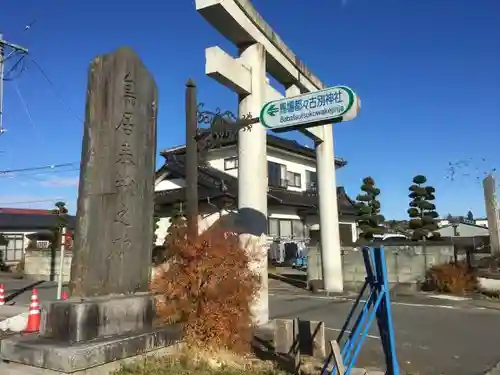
{"x": 334, "y": 104}
{"x": 312, "y": 103}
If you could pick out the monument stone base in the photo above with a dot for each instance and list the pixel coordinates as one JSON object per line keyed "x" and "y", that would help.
{"x": 77, "y": 335}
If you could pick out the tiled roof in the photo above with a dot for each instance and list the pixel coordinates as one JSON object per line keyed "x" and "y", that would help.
{"x": 28, "y": 221}
{"x": 9, "y": 210}
{"x": 272, "y": 140}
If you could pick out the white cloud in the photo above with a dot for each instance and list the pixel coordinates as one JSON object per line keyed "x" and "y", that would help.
{"x": 61, "y": 182}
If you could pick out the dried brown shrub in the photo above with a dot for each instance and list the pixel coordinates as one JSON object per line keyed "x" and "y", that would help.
{"x": 208, "y": 287}
{"x": 454, "y": 278}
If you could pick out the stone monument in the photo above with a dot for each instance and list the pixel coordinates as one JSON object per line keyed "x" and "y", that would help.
{"x": 491, "y": 205}
{"x": 110, "y": 314}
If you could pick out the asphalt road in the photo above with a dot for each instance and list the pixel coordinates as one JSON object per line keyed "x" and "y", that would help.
{"x": 433, "y": 339}
{"x": 433, "y": 336}
{"x": 20, "y": 290}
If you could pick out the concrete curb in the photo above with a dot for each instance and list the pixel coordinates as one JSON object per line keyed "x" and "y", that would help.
{"x": 8, "y": 310}
{"x": 293, "y": 282}
{"x": 490, "y": 305}
{"x": 324, "y": 293}
{"x": 495, "y": 370}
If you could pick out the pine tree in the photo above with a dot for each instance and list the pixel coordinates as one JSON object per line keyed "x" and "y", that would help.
{"x": 470, "y": 216}
{"x": 422, "y": 211}
{"x": 156, "y": 221}
{"x": 158, "y": 252}
{"x": 369, "y": 218}
{"x": 62, "y": 221}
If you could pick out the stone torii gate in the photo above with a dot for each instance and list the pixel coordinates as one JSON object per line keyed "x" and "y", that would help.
{"x": 261, "y": 51}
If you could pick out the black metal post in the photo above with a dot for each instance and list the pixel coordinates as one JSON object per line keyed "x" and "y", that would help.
{"x": 191, "y": 162}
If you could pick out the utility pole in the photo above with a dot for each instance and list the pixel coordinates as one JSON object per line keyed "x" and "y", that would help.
{"x": 191, "y": 159}
{"x": 7, "y": 50}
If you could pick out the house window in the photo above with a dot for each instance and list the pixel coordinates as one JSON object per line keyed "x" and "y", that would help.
{"x": 14, "y": 250}
{"x": 230, "y": 163}
{"x": 274, "y": 230}
{"x": 293, "y": 179}
{"x": 345, "y": 232}
{"x": 286, "y": 228}
{"x": 298, "y": 228}
{"x": 42, "y": 244}
{"x": 311, "y": 180}
{"x": 276, "y": 174}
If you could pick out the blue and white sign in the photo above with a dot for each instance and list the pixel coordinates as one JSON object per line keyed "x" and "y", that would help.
{"x": 334, "y": 104}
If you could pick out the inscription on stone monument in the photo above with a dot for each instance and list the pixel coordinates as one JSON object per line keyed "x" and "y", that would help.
{"x": 116, "y": 195}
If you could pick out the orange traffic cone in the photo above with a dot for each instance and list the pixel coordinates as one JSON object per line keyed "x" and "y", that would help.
{"x": 2, "y": 295}
{"x": 34, "y": 314}
{"x": 64, "y": 296}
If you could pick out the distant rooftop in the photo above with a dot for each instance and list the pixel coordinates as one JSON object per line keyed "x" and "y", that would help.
{"x": 35, "y": 211}
{"x": 272, "y": 140}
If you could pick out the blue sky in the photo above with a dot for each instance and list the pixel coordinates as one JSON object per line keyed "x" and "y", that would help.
{"x": 427, "y": 73}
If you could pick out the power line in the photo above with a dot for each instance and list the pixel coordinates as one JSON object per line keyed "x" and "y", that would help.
{"x": 34, "y": 201}
{"x": 13, "y": 49}
{"x": 56, "y": 92}
{"x": 26, "y": 109}
{"x": 45, "y": 167}
{"x": 19, "y": 63}
{"x": 37, "y": 175}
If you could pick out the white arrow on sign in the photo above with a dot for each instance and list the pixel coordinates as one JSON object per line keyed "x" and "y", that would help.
{"x": 331, "y": 105}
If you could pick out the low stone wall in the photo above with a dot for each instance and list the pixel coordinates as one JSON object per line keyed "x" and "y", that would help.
{"x": 44, "y": 265}
{"x": 489, "y": 284}
{"x": 407, "y": 263}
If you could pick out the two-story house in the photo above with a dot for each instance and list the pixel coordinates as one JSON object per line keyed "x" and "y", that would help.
{"x": 292, "y": 197}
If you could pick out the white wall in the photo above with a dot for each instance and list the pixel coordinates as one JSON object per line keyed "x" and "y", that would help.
{"x": 215, "y": 158}
{"x": 482, "y": 222}
{"x": 206, "y": 220}
{"x": 313, "y": 224}
{"x": 283, "y": 213}
{"x": 294, "y": 163}
{"x": 161, "y": 230}
{"x": 464, "y": 230}
{"x": 172, "y": 184}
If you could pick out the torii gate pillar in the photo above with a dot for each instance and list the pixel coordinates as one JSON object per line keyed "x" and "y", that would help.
{"x": 252, "y": 176}
{"x": 331, "y": 260}
{"x": 262, "y": 51}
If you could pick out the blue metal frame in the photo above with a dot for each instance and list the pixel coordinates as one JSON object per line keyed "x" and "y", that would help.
{"x": 377, "y": 305}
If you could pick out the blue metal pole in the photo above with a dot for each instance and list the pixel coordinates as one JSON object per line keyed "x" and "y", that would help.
{"x": 363, "y": 336}
{"x": 351, "y": 313}
{"x": 392, "y": 364}
{"x": 381, "y": 312}
{"x": 368, "y": 260}
{"x": 354, "y": 335}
